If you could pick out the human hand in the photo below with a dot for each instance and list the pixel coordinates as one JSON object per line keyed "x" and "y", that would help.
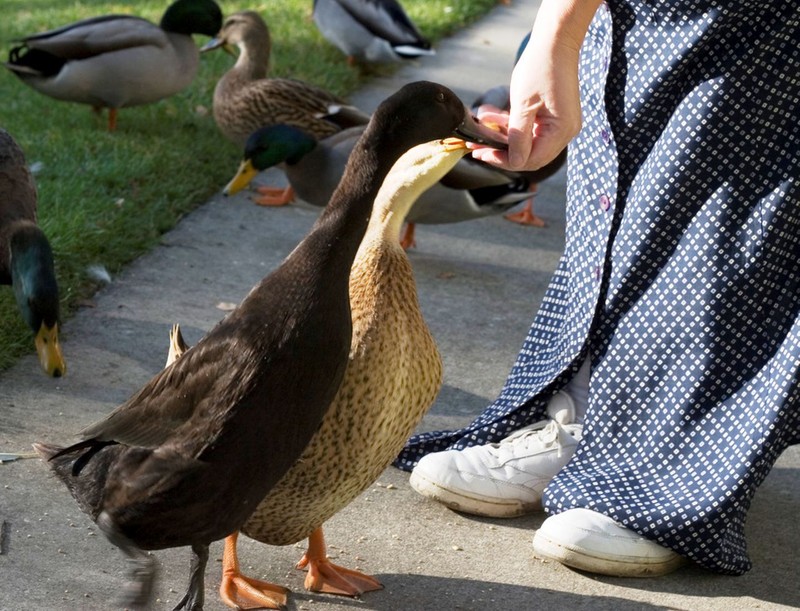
{"x": 545, "y": 101}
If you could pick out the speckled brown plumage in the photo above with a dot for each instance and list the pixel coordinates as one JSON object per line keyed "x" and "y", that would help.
{"x": 392, "y": 378}
{"x": 246, "y": 99}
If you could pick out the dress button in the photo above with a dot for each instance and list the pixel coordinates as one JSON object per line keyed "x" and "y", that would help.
{"x": 606, "y": 135}
{"x": 605, "y": 202}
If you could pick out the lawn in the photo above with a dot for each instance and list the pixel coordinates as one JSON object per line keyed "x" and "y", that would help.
{"x": 105, "y": 198}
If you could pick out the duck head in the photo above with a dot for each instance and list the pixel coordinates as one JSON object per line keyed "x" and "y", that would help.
{"x": 244, "y": 29}
{"x": 267, "y": 147}
{"x": 423, "y": 111}
{"x": 192, "y": 17}
{"x": 35, "y": 289}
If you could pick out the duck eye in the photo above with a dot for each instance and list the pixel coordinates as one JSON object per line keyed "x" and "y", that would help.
{"x": 440, "y": 97}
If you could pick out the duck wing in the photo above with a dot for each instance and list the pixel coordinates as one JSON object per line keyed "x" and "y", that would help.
{"x": 98, "y": 35}
{"x": 191, "y": 389}
{"x": 281, "y": 100}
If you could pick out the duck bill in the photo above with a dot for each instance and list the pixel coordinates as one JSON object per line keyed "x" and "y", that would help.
{"x": 216, "y": 43}
{"x": 454, "y": 144}
{"x": 472, "y": 130}
{"x": 243, "y": 177}
{"x": 49, "y": 351}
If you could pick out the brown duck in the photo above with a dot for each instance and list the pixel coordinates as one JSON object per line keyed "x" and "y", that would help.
{"x": 183, "y": 462}
{"x": 245, "y": 98}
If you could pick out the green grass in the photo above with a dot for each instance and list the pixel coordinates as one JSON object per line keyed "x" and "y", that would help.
{"x": 105, "y": 198}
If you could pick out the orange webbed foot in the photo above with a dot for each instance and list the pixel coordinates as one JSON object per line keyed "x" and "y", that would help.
{"x": 274, "y": 196}
{"x": 324, "y": 576}
{"x": 526, "y": 216}
{"x": 241, "y": 592}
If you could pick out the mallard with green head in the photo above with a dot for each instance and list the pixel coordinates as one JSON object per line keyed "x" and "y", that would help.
{"x": 116, "y": 61}
{"x": 26, "y": 259}
{"x": 245, "y": 98}
{"x": 182, "y": 462}
{"x": 468, "y": 191}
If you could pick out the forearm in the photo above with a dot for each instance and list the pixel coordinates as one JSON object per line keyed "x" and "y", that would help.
{"x": 565, "y": 22}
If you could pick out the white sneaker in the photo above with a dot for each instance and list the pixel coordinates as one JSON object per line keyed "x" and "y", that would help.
{"x": 590, "y": 541}
{"x": 506, "y": 479}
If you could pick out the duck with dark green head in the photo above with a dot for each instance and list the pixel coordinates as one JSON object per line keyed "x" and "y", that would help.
{"x": 470, "y": 190}
{"x": 26, "y": 259}
{"x": 116, "y": 61}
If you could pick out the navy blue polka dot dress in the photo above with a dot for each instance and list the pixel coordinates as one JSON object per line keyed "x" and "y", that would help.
{"x": 680, "y": 278}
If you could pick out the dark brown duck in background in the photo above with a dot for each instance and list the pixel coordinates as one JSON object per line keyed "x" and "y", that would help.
{"x": 187, "y": 459}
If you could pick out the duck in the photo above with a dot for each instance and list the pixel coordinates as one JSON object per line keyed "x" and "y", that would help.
{"x": 393, "y": 375}
{"x": 182, "y": 462}
{"x": 370, "y": 31}
{"x": 117, "y": 61}
{"x": 245, "y": 98}
{"x": 26, "y": 257}
{"x": 468, "y": 191}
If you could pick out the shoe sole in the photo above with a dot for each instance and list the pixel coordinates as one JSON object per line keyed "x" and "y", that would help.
{"x": 580, "y": 559}
{"x": 489, "y": 508}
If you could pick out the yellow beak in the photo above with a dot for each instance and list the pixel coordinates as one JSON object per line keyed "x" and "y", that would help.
{"x": 243, "y": 177}
{"x": 49, "y": 350}
{"x": 454, "y": 144}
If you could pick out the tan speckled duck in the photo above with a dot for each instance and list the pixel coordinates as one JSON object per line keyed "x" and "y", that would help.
{"x": 245, "y": 98}
{"x": 393, "y": 376}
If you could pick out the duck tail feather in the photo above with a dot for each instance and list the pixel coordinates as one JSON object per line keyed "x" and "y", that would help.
{"x": 85, "y": 478}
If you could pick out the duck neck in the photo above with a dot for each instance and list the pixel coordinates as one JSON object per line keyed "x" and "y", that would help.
{"x": 394, "y": 200}
{"x": 254, "y": 55}
{"x": 33, "y": 276}
{"x": 343, "y": 222}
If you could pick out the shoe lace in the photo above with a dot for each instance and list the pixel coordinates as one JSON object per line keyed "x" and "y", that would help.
{"x": 547, "y": 433}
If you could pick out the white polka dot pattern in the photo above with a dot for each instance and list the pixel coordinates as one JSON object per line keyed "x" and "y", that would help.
{"x": 681, "y": 275}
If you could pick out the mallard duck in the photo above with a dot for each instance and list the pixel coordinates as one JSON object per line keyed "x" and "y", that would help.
{"x": 26, "y": 259}
{"x": 182, "y": 462}
{"x": 246, "y": 99}
{"x": 393, "y": 376}
{"x": 370, "y": 31}
{"x": 115, "y": 61}
{"x": 470, "y": 190}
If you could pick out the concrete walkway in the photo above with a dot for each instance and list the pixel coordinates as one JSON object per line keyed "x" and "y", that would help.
{"x": 480, "y": 284}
